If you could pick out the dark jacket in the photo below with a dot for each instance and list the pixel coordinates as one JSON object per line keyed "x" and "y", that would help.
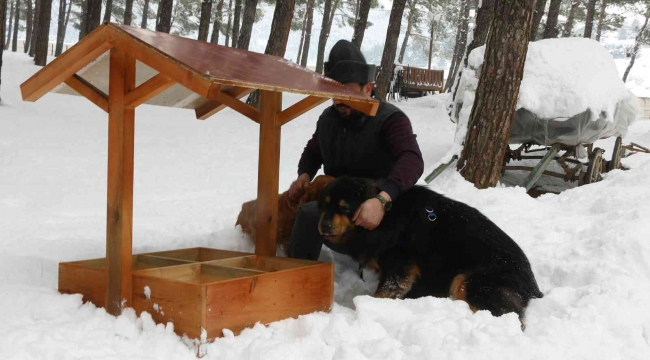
{"x": 382, "y": 147}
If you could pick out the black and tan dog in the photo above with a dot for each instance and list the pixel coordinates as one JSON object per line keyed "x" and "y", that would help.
{"x": 430, "y": 245}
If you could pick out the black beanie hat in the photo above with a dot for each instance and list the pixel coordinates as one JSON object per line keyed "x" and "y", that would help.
{"x": 346, "y": 64}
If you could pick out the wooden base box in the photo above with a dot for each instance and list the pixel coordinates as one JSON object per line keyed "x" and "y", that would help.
{"x": 211, "y": 289}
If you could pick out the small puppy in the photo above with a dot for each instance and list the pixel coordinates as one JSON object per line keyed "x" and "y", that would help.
{"x": 287, "y": 210}
{"x": 430, "y": 245}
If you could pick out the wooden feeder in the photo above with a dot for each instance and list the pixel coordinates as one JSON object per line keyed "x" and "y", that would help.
{"x": 197, "y": 288}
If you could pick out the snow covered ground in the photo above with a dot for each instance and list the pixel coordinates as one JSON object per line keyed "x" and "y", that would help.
{"x": 589, "y": 246}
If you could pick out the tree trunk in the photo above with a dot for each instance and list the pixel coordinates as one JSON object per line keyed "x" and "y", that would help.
{"x": 32, "y": 41}
{"x": 14, "y": 42}
{"x": 236, "y": 23}
{"x": 537, "y": 18}
{"x": 361, "y": 23}
{"x": 484, "y": 17}
{"x": 302, "y": 37}
{"x": 482, "y": 158}
{"x": 128, "y": 12}
{"x": 247, "y": 24}
{"x": 430, "y": 46}
{"x": 11, "y": 23}
{"x": 204, "y": 22}
{"x": 164, "y": 16}
{"x": 461, "y": 42}
{"x": 216, "y": 27}
{"x": 589, "y": 20}
{"x": 551, "y": 31}
{"x": 307, "y": 42}
{"x": 601, "y": 19}
{"x": 637, "y": 44}
{"x": 409, "y": 27}
{"x": 390, "y": 47}
{"x": 3, "y": 24}
{"x": 145, "y": 14}
{"x": 568, "y": 27}
{"x": 108, "y": 11}
{"x": 43, "y": 34}
{"x": 93, "y": 14}
{"x": 229, "y": 22}
{"x": 29, "y": 26}
{"x": 325, "y": 32}
{"x": 277, "y": 44}
{"x": 60, "y": 33}
{"x": 82, "y": 20}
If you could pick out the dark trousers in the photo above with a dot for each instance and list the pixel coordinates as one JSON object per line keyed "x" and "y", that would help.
{"x": 306, "y": 241}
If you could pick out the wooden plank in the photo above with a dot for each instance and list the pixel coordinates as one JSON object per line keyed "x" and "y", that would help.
{"x": 67, "y": 64}
{"x": 177, "y": 302}
{"x": 199, "y": 254}
{"x": 148, "y": 90}
{"x": 212, "y": 107}
{"x": 240, "y": 303}
{"x": 239, "y": 106}
{"x": 89, "y": 91}
{"x": 537, "y": 172}
{"x": 268, "y": 173}
{"x": 119, "y": 218}
{"x": 89, "y": 281}
{"x": 366, "y": 108}
{"x": 299, "y": 108}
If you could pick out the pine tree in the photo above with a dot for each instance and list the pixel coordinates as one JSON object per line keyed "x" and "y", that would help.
{"x": 589, "y": 21}
{"x": 43, "y": 34}
{"x": 236, "y": 23}
{"x": 362, "y": 22}
{"x": 29, "y": 28}
{"x": 307, "y": 30}
{"x": 164, "y": 17}
{"x": 601, "y": 19}
{"x": 247, "y": 24}
{"x": 10, "y": 26}
{"x": 568, "y": 27}
{"x": 14, "y": 42}
{"x": 3, "y": 23}
{"x": 128, "y": 12}
{"x": 32, "y": 41}
{"x": 216, "y": 28}
{"x": 108, "y": 11}
{"x": 390, "y": 47}
{"x": 93, "y": 14}
{"x": 145, "y": 14}
{"x": 540, "y": 7}
{"x": 461, "y": 42}
{"x": 551, "y": 30}
{"x": 229, "y": 26}
{"x": 642, "y": 38}
{"x": 483, "y": 155}
{"x": 204, "y": 24}
{"x": 60, "y": 33}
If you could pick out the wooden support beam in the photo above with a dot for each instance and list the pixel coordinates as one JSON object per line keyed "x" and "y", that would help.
{"x": 66, "y": 65}
{"x": 119, "y": 216}
{"x": 539, "y": 169}
{"x": 268, "y": 174}
{"x": 89, "y": 91}
{"x": 299, "y": 108}
{"x": 369, "y": 108}
{"x": 148, "y": 90}
{"x": 212, "y": 107}
{"x": 239, "y": 106}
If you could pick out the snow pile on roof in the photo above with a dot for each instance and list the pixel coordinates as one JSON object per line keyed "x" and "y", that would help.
{"x": 566, "y": 76}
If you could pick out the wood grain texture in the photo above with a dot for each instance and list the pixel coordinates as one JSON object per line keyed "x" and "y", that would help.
{"x": 299, "y": 108}
{"x": 241, "y": 303}
{"x": 89, "y": 91}
{"x": 268, "y": 174}
{"x": 148, "y": 90}
{"x": 199, "y": 254}
{"x": 119, "y": 217}
{"x": 66, "y": 65}
{"x": 212, "y": 107}
{"x": 86, "y": 280}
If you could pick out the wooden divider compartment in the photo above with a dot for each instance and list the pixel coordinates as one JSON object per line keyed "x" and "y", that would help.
{"x": 211, "y": 289}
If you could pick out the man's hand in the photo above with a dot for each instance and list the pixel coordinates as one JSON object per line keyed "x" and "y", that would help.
{"x": 298, "y": 187}
{"x": 370, "y": 213}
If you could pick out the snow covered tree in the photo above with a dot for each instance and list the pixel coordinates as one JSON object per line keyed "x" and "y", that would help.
{"x": 43, "y": 33}
{"x": 412, "y": 20}
{"x": 390, "y": 47}
{"x": 461, "y": 42}
{"x": 642, "y": 38}
{"x": 568, "y": 26}
{"x": 483, "y": 155}
{"x": 204, "y": 23}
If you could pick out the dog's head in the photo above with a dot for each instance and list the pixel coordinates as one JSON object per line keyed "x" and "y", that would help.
{"x": 339, "y": 202}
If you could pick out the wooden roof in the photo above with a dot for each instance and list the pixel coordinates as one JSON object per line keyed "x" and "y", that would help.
{"x": 186, "y": 73}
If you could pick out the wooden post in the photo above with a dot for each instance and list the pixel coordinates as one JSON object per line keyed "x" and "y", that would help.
{"x": 119, "y": 216}
{"x": 268, "y": 173}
